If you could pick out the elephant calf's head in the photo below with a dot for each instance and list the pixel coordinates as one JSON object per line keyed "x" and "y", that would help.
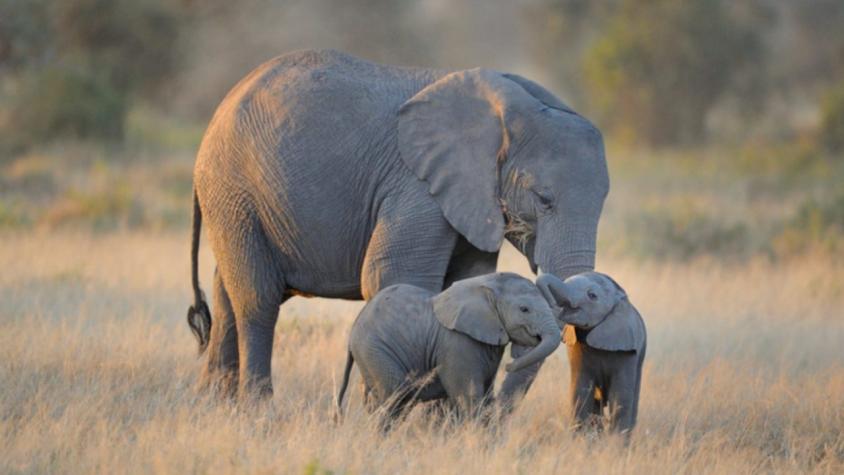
{"x": 595, "y": 302}
{"x": 497, "y": 308}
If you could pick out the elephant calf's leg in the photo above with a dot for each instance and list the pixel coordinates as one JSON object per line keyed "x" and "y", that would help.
{"x": 391, "y": 392}
{"x": 517, "y": 383}
{"x": 622, "y": 401}
{"x": 222, "y": 363}
{"x": 469, "y": 394}
{"x": 585, "y": 407}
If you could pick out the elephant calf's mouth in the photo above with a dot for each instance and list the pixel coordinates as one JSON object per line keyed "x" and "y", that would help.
{"x": 566, "y": 307}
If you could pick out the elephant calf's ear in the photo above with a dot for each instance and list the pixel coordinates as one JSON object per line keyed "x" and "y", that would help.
{"x": 470, "y": 309}
{"x": 622, "y": 330}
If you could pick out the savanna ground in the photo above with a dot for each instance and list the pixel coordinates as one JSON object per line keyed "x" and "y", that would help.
{"x": 734, "y": 262}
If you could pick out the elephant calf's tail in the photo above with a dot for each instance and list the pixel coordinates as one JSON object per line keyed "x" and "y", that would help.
{"x": 350, "y": 361}
{"x": 199, "y": 317}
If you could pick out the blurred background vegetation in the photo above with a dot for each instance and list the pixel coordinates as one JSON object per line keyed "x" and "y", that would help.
{"x": 724, "y": 120}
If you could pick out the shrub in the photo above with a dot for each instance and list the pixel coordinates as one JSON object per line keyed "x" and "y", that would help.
{"x": 66, "y": 102}
{"x": 685, "y": 232}
{"x": 662, "y": 65}
{"x": 72, "y": 68}
{"x": 832, "y": 120}
{"x": 816, "y": 224}
{"x": 114, "y": 207}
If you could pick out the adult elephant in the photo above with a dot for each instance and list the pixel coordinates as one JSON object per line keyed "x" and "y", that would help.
{"x": 322, "y": 174}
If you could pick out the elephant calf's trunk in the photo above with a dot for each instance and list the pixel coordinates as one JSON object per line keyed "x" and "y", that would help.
{"x": 549, "y": 341}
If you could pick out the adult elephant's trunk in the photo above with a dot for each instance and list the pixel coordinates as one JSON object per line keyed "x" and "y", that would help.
{"x": 553, "y": 289}
{"x": 549, "y": 340}
{"x": 567, "y": 249}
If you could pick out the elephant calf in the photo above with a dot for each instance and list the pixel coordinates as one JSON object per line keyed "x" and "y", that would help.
{"x": 606, "y": 341}
{"x": 414, "y": 345}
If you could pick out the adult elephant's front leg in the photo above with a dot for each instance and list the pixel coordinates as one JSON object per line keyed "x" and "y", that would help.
{"x": 407, "y": 248}
{"x": 468, "y": 261}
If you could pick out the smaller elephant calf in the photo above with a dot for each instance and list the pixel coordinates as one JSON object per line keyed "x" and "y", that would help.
{"x": 606, "y": 341}
{"x": 414, "y": 345}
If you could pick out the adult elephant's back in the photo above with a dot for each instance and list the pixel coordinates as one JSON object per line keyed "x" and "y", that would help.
{"x": 303, "y": 150}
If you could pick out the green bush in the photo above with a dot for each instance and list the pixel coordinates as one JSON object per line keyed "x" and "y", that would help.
{"x": 132, "y": 42}
{"x": 74, "y": 67}
{"x": 65, "y": 102}
{"x": 685, "y": 232}
{"x": 816, "y": 224}
{"x": 12, "y": 216}
{"x": 661, "y": 65}
{"x": 111, "y": 208}
{"x": 832, "y": 120}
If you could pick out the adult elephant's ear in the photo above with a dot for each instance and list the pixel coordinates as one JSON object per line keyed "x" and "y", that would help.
{"x": 469, "y": 308}
{"x": 540, "y": 93}
{"x": 622, "y": 330}
{"x": 451, "y": 135}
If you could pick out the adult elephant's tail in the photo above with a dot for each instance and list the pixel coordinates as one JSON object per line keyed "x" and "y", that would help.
{"x": 199, "y": 317}
{"x": 350, "y": 360}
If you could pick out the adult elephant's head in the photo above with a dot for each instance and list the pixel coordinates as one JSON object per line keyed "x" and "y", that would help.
{"x": 503, "y": 158}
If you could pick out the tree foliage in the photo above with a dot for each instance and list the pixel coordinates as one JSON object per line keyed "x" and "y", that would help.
{"x": 73, "y": 67}
{"x": 661, "y": 65}
{"x": 832, "y": 119}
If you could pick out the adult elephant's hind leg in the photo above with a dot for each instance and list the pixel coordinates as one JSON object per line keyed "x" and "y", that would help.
{"x": 256, "y": 328}
{"x": 255, "y": 286}
{"x": 222, "y": 363}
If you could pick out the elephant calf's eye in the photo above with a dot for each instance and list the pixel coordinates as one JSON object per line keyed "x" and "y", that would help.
{"x": 591, "y": 295}
{"x": 524, "y": 309}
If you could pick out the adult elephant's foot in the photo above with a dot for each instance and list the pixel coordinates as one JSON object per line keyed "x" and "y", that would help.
{"x": 221, "y": 383}
{"x": 256, "y": 393}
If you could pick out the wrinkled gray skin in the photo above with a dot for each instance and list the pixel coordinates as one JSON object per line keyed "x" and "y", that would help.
{"x": 325, "y": 175}
{"x": 606, "y": 341}
{"x": 456, "y": 338}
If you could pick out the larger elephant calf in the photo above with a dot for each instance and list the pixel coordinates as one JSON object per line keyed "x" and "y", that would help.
{"x": 413, "y": 345}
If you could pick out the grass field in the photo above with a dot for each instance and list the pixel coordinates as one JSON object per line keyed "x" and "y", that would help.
{"x": 745, "y": 373}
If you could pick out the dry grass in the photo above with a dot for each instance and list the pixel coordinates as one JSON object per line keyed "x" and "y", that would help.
{"x": 97, "y": 367}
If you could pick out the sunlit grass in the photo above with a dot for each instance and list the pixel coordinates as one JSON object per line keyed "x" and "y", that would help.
{"x": 744, "y": 373}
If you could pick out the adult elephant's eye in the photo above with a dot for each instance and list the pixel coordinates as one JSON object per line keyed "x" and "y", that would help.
{"x": 591, "y": 295}
{"x": 524, "y": 309}
{"x": 545, "y": 199}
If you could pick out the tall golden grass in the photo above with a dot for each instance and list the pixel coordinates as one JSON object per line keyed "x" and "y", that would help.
{"x": 745, "y": 373}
